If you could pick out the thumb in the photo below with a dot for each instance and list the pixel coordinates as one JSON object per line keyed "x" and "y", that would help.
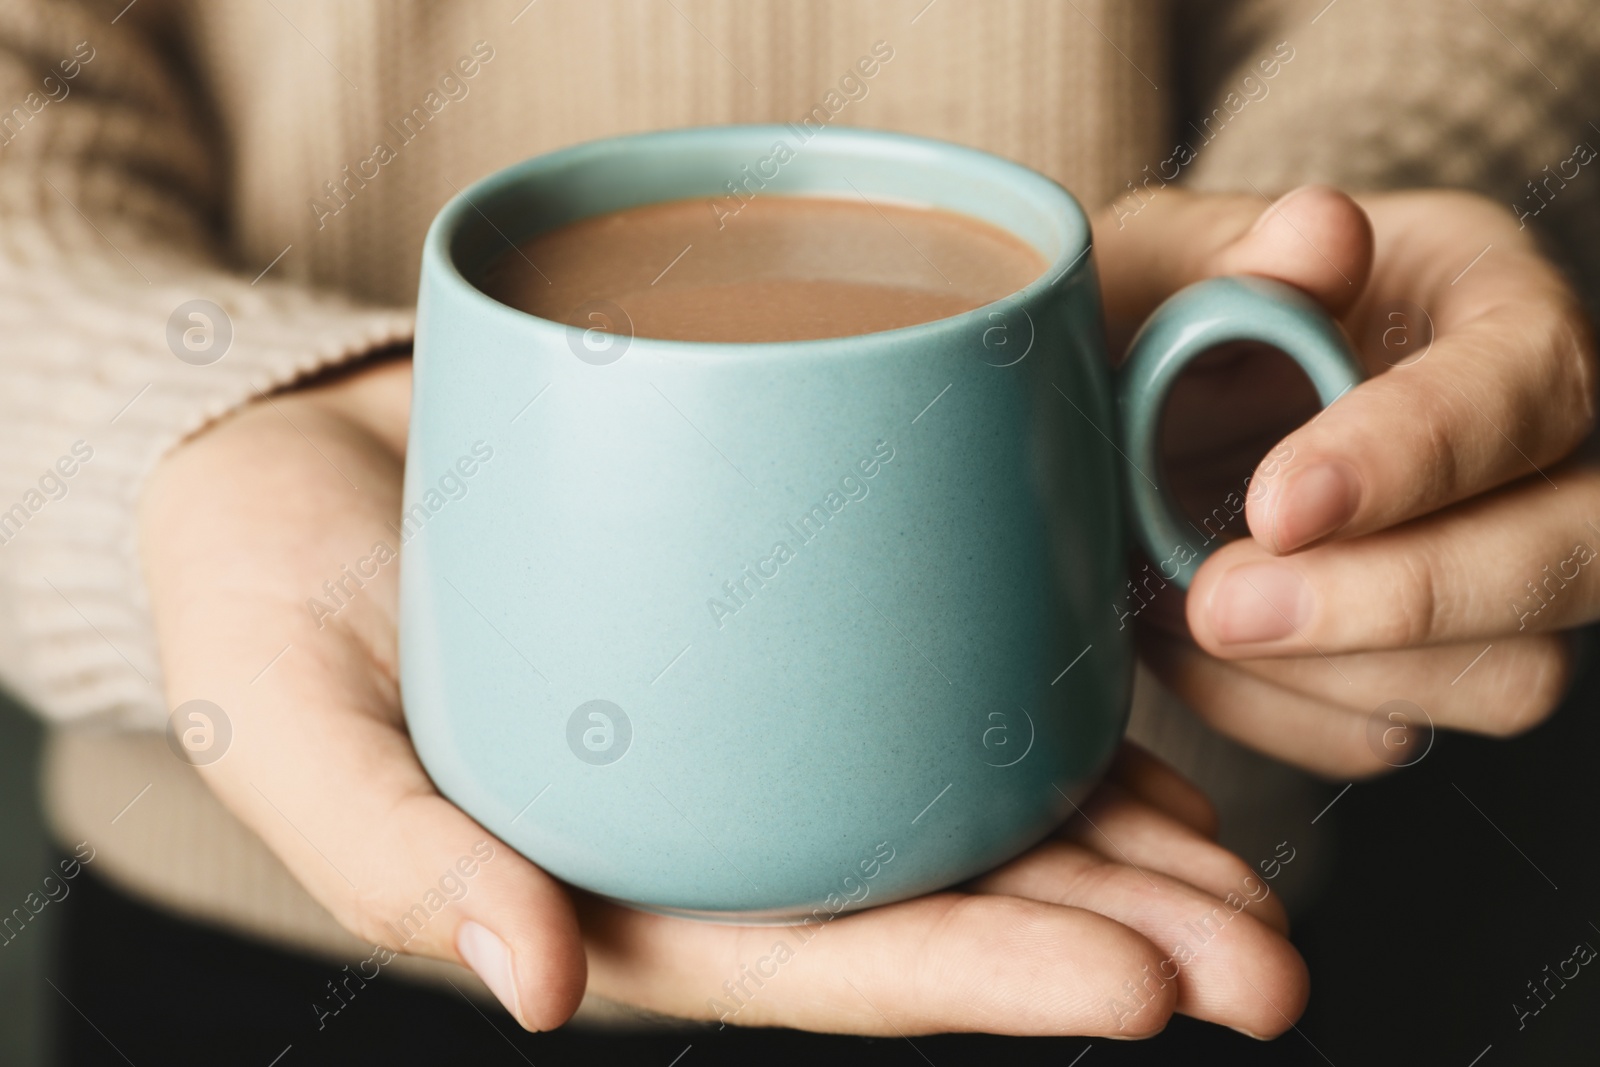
{"x": 474, "y": 900}
{"x": 1315, "y": 238}
{"x": 339, "y": 795}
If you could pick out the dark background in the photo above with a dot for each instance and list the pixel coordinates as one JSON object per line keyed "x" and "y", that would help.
{"x": 1432, "y": 924}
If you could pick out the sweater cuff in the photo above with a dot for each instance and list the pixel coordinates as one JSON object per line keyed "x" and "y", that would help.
{"x": 116, "y": 371}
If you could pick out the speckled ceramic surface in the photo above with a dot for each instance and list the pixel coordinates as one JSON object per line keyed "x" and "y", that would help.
{"x": 757, "y": 632}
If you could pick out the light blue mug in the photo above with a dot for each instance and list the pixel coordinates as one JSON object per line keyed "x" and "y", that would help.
{"x": 769, "y": 632}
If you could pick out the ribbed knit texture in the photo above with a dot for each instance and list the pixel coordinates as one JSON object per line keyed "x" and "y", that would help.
{"x": 1491, "y": 96}
{"x": 190, "y": 146}
{"x": 187, "y": 156}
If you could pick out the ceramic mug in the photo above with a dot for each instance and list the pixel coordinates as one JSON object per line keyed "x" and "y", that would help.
{"x": 768, "y": 632}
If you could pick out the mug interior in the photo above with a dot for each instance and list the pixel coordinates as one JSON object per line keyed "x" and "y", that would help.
{"x": 726, "y": 163}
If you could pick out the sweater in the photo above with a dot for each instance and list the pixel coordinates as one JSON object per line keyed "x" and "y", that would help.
{"x": 281, "y": 162}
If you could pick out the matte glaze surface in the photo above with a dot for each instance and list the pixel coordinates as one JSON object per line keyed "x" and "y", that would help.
{"x": 1185, "y": 326}
{"x": 926, "y": 682}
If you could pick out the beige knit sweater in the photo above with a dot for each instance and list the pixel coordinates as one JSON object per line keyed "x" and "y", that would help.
{"x": 168, "y": 151}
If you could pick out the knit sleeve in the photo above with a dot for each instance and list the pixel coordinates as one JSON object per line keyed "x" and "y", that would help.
{"x": 1494, "y": 96}
{"x": 124, "y": 327}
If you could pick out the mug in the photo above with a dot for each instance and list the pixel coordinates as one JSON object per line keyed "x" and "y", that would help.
{"x": 772, "y": 632}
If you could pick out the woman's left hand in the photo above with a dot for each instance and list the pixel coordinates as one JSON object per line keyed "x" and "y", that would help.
{"x": 1425, "y": 539}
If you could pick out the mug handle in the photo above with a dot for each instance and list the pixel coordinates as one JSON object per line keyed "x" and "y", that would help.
{"x": 1192, "y": 321}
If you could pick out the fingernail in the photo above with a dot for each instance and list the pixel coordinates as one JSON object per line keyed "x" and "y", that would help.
{"x": 1277, "y": 205}
{"x": 1260, "y": 602}
{"x": 489, "y": 958}
{"x": 1314, "y": 502}
{"x": 1246, "y": 1033}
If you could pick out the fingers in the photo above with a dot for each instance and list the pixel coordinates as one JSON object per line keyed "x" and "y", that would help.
{"x": 1517, "y": 561}
{"x": 1523, "y": 682}
{"x": 1314, "y": 237}
{"x": 1123, "y": 830}
{"x": 508, "y": 921}
{"x": 1228, "y": 967}
{"x": 337, "y": 793}
{"x": 1320, "y": 736}
{"x": 1505, "y": 389}
{"x": 1068, "y": 939}
{"x": 1149, "y": 779}
{"x": 234, "y": 535}
{"x": 997, "y": 964}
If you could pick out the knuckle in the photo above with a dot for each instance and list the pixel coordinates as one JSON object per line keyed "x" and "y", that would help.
{"x": 1549, "y": 368}
{"x": 1415, "y": 617}
{"x": 1437, "y": 419}
{"x": 1547, "y": 376}
{"x": 1433, "y": 449}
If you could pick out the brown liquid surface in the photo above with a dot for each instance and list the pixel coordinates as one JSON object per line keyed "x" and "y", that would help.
{"x": 781, "y": 269}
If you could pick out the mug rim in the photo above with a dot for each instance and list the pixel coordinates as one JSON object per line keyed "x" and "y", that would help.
{"x": 439, "y": 264}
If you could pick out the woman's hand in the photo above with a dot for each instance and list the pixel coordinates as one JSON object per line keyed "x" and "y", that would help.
{"x": 240, "y": 528}
{"x": 1428, "y": 536}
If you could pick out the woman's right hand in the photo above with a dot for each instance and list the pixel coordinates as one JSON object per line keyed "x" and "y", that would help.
{"x": 240, "y": 527}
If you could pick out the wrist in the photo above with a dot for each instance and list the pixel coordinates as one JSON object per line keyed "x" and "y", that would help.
{"x": 371, "y": 398}
{"x": 373, "y": 394}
